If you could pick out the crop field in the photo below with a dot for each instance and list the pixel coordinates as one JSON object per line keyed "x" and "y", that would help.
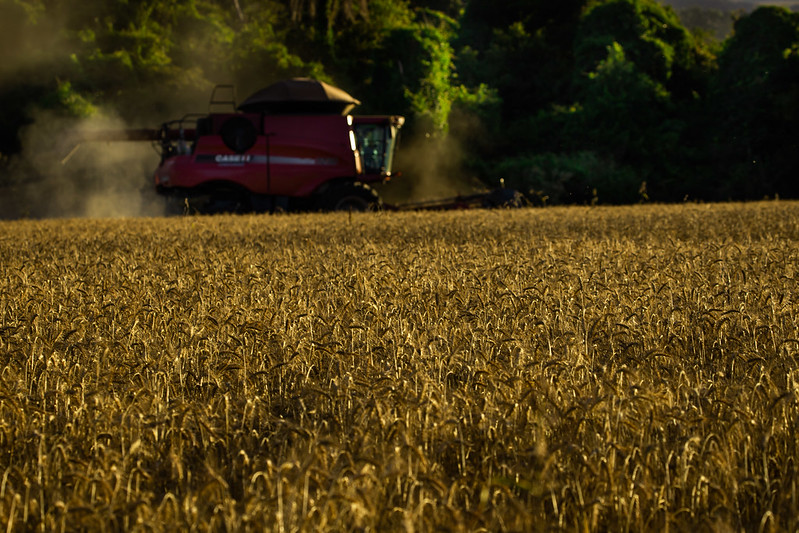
{"x": 597, "y": 368}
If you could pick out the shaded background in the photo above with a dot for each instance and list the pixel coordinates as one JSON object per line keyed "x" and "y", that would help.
{"x": 577, "y": 101}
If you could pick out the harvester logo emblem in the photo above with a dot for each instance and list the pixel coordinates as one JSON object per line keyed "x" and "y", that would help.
{"x": 232, "y": 159}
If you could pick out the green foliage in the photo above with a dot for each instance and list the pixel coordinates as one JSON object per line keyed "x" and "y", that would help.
{"x": 475, "y": 122}
{"x": 429, "y": 90}
{"x": 411, "y": 72}
{"x": 622, "y": 109}
{"x": 481, "y": 104}
{"x": 258, "y": 53}
{"x": 72, "y": 103}
{"x": 624, "y": 115}
{"x": 629, "y": 87}
{"x": 522, "y": 48}
{"x": 652, "y": 38}
{"x": 617, "y": 86}
{"x": 756, "y": 107}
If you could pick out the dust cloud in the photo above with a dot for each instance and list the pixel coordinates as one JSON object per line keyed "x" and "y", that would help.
{"x": 68, "y": 168}
{"x": 26, "y": 48}
{"x": 58, "y": 172}
{"x": 432, "y": 168}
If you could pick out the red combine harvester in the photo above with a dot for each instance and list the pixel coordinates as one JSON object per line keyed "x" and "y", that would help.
{"x": 291, "y": 146}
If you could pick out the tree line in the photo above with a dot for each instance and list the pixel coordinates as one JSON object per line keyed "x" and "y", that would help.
{"x": 576, "y": 101}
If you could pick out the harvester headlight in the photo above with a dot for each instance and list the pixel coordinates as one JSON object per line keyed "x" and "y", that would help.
{"x": 353, "y": 144}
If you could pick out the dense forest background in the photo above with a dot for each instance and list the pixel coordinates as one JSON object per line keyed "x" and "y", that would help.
{"x": 574, "y": 101}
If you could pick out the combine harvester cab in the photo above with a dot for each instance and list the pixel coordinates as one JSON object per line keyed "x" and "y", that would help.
{"x": 290, "y": 146}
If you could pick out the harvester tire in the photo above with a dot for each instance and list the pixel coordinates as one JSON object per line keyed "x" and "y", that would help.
{"x": 353, "y": 197}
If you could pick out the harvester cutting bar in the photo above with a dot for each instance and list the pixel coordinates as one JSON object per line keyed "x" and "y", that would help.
{"x": 495, "y": 198}
{"x": 164, "y": 134}
{"x": 141, "y": 134}
{"x": 144, "y": 134}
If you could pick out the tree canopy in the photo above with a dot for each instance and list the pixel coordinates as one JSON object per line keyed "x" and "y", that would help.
{"x": 575, "y": 101}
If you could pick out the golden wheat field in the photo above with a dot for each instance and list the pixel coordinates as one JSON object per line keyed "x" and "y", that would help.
{"x": 624, "y": 369}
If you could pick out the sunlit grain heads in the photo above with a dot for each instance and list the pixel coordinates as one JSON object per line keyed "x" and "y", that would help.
{"x": 429, "y": 372}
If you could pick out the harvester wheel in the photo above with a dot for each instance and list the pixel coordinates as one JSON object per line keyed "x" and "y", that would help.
{"x": 353, "y": 197}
